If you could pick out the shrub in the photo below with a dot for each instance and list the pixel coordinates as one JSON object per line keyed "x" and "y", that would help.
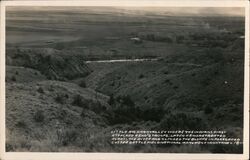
{"x": 127, "y": 100}
{"x": 78, "y": 101}
{"x": 222, "y": 148}
{"x": 111, "y": 100}
{"x": 122, "y": 111}
{"x": 66, "y": 136}
{"x": 59, "y": 99}
{"x": 39, "y": 116}
{"x": 40, "y": 90}
{"x": 122, "y": 114}
{"x": 208, "y": 110}
{"x": 141, "y": 76}
{"x": 151, "y": 114}
{"x": 206, "y": 81}
{"x": 59, "y": 46}
{"x": 112, "y": 84}
{"x": 25, "y": 144}
{"x": 165, "y": 72}
{"x": 83, "y": 113}
{"x": 175, "y": 87}
{"x": 83, "y": 84}
{"x": 180, "y": 39}
{"x": 66, "y": 96}
{"x": 150, "y": 37}
{"x": 9, "y": 147}
{"x": 69, "y": 137}
{"x": 13, "y": 78}
{"x": 51, "y": 89}
{"x": 167, "y": 81}
{"x": 16, "y": 73}
{"x": 215, "y": 54}
{"x": 49, "y": 77}
{"x": 182, "y": 121}
{"x": 21, "y": 124}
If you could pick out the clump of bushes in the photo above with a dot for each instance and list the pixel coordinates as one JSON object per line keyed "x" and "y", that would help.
{"x": 59, "y": 99}
{"x": 39, "y": 116}
{"x": 66, "y": 136}
{"x": 167, "y": 81}
{"x": 40, "y": 90}
{"x": 69, "y": 137}
{"x": 222, "y": 148}
{"x": 13, "y": 78}
{"x": 216, "y": 54}
{"x": 151, "y": 114}
{"x": 83, "y": 84}
{"x": 51, "y": 89}
{"x": 126, "y": 100}
{"x": 125, "y": 111}
{"x": 165, "y": 72}
{"x": 156, "y": 38}
{"x": 175, "y": 87}
{"x": 141, "y": 76}
{"x": 111, "y": 100}
{"x": 112, "y": 84}
{"x": 83, "y": 113}
{"x": 49, "y": 77}
{"x": 78, "y": 101}
{"x": 206, "y": 81}
{"x": 66, "y": 96}
{"x": 208, "y": 110}
{"x": 9, "y": 147}
{"x": 182, "y": 121}
{"x": 21, "y": 124}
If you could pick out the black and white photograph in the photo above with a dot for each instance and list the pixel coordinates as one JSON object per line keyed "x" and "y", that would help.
{"x": 125, "y": 79}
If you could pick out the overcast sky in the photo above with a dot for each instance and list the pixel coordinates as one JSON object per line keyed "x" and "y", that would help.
{"x": 206, "y": 11}
{"x": 235, "y": 11}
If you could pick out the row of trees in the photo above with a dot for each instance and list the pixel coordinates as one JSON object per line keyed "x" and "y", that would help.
{"x": 209, "y": 40}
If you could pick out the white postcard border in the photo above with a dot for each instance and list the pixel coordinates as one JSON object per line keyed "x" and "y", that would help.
{"x": 121, "y": 156}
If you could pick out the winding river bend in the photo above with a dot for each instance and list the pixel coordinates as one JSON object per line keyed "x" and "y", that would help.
{"x": 139, "y": 60}
{"x": 122, "y": 60}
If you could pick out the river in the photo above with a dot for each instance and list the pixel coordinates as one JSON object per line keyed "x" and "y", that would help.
{"x": 122, "y": 60}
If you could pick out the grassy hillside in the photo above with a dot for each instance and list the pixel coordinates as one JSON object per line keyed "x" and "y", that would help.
{"x": 51, "y": 63}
